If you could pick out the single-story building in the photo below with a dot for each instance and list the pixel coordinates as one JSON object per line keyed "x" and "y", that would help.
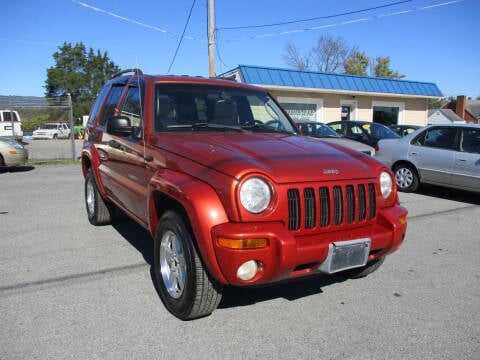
{"x": 325, "y": 97}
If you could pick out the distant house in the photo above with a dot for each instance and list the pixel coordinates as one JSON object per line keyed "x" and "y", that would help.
{"x": 468, "y": 110}
{"x": 326, "y": 97}
{"x": 443, "y": 116}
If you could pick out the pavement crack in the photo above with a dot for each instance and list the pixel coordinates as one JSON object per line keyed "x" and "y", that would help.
{"x": 69, "y": 278}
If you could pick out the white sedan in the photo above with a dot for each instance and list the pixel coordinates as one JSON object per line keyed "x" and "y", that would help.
{"x": 445, "y": 155}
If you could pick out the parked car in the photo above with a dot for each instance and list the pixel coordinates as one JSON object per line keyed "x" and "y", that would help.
{"x": 446, "y": 155}
{"x": 230, "y": 192}
{"x": 12, "y": 153}
{"x": 52, "y": 131}
{"x": 366, "y": 132}
{"x": 326, "y": 133}
{"x": 403, "y": 130}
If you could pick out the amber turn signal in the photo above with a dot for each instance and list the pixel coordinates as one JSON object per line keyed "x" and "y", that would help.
{"x": 240, "y": 244}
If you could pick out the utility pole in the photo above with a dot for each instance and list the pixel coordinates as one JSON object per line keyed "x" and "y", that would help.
{"x": 211, "y": 38}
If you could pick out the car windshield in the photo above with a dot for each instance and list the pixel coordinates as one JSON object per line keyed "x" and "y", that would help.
{"x": 317, "y": 130}
{"x": 377, "y": 131}
{"x": 180, "y": 107}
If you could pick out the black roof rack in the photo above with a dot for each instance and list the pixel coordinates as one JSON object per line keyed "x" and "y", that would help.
{"x": 135, "y": 71}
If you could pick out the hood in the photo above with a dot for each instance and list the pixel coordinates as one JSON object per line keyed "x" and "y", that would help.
{"x": 284, "y": 158}
{"x": 352, "y": 144}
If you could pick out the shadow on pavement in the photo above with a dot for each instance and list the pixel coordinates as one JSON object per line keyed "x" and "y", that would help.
{"x": 233, "y": 296}
{"x": 450, "y": 194}
{"x": 15, "y": 169}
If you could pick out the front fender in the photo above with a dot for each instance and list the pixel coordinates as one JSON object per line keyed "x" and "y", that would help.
{"x": 200, "y": 203}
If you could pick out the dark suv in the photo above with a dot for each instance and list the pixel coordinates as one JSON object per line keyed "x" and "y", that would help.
{"x": 366, "y": 132}
{"x": 231, "y": 194}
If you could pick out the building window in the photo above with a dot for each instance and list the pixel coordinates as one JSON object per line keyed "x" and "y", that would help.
{"x": 387, "y": 113}
{"x": 302, "y": 109}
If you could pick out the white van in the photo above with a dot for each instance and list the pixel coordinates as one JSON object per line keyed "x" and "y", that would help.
{"x": 10, "y": 124}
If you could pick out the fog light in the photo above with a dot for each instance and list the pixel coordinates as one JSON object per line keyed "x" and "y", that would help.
{"x": 247, "y": 270}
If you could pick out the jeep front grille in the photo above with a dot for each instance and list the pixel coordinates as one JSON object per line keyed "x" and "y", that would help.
{"x": 330, "y": 206}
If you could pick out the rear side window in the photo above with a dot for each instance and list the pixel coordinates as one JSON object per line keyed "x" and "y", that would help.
{"x": 111, "y": 103}
{"x": 471, "y": 141}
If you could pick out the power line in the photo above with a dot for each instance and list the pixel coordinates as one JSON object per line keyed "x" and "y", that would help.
{"x": 133, "y": 21}
{"x": 181, "y": 38}
{"x": 314, "y": 18}
{"x": 347, "y": 22}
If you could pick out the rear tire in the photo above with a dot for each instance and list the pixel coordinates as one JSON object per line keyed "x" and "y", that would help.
{"x": 406, "y": 178}
{"x": 99, "y": 211}
{"x": 185, "y": 288}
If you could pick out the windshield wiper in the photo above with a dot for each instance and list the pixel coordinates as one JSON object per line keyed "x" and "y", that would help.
{"x": 214, "y": 126}
{"x": 266, "y": 128}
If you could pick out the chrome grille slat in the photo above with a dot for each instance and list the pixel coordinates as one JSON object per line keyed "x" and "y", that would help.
{"x": 336, "y": 205}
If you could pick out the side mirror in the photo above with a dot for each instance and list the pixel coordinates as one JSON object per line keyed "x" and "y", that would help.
{"x": 120, "y": 126}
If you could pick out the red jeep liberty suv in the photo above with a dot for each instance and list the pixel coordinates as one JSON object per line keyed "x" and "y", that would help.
{"x": 232, "y": 195}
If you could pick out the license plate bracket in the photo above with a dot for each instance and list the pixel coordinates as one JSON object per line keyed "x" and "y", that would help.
{"x": 344, "y": 255}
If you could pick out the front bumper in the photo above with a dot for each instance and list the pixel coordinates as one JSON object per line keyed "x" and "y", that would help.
{"x": 291, "y": 254}
{"x": 16, "y": 157}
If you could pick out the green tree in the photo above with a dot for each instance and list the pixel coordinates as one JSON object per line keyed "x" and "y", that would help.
{"x": 79, "y": 74}
{"x": 436, "y": 103}
{"x": 357, "y": 64}
{"x": 381, "y": 68}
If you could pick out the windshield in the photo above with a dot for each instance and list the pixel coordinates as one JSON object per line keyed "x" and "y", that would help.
{"x": 377, "y": 131}
{"x": 180, "y": 107}
{"x": 315, "y": 129}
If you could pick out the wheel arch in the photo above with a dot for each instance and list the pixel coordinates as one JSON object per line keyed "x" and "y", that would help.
{"x": 197, "y": 203}
{"x": 91, "y": 160}
{"x": 406, "y": 162}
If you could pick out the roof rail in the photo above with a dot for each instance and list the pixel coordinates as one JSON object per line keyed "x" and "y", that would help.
{"x": 126, "y": 71}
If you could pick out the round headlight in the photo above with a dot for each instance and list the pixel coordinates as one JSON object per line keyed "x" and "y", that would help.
{"x": 385, "y": 184}
{"x": 255, "y": 195}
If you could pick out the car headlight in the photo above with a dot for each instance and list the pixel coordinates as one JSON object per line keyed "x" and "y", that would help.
{"x": 385, "y": 184}
{"x": 255, "y": 195}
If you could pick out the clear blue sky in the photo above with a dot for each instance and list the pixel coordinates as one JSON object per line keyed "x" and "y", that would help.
{"x": 427, "y": 40}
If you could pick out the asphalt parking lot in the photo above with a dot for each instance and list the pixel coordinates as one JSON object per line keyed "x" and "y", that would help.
{"x": 70, "y": 290}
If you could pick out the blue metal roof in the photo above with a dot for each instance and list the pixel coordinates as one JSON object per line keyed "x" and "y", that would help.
{"x": 265, "y": 76}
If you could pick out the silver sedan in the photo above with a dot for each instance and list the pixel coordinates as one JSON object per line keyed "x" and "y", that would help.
{"x": 445, "y": 155}
{"x": 12, "y": 153}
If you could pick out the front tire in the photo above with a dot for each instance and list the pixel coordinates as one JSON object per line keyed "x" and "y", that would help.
{"x": 99, "y": 212}
{"x": 185, "y": 288}
{"x": 406, "y": 178}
